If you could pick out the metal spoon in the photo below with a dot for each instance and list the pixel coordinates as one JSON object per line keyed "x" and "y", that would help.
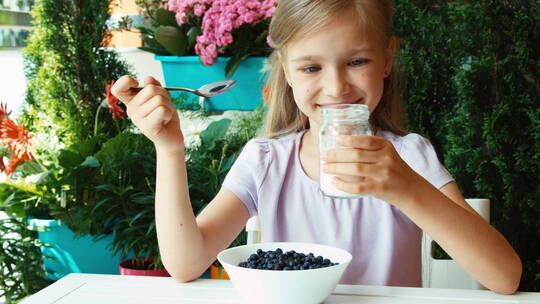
{"x": 207, "y": 90}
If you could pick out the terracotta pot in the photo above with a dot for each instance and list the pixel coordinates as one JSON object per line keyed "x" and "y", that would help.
{"x": 218, "y": 273}
{"x": 127, "y": 268}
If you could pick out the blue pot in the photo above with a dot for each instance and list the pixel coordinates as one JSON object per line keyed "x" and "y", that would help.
{"x": 188, "y": 71}
{"x": 71, "y": 253}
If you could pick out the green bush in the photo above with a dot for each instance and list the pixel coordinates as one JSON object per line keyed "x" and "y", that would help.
{"x": 66, "y": 67}
{"x": 21, "y": 268}
{"x": 473, "y": 89}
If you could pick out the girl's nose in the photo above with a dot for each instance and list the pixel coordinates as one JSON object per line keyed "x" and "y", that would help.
{"x": 335, "y": 84}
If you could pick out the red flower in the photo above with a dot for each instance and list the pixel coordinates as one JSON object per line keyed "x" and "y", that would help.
{"x": 17, "y": 138}
{"x": 2, "y": 166}
{"x": 116, "y": 111}
{"x": 12, "y": 165}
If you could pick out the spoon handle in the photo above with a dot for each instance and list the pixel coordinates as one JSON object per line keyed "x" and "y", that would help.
{"x": 138, "y": 89}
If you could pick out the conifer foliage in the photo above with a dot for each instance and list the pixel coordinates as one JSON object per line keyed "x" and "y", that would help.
{"x": 473, "y": 89}
{"x": 67, "y": 66}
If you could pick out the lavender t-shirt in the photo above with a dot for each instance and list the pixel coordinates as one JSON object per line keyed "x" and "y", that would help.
{"x": 384, "y": 242}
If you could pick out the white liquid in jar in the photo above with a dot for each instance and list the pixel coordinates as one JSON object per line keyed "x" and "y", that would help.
{"x": 350, "y": 119}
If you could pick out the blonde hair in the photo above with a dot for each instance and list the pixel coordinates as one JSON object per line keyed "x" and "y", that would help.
{"x": 296, "y": 18}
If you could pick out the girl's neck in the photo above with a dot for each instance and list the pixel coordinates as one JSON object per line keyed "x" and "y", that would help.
{"x": 309, "y": 154}
{"x": 310, "y": 141}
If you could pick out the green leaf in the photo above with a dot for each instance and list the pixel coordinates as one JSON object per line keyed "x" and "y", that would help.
{"x": 215, "y": 131}
{"x": 23, "y": 186}
{"x": 91, "y": 162}
{"x": 165, "y": 17}
{"x": 87, "y": 147}
{"x": 227, "y": 164}
{"x": 136, "y": 217}
{"x": 233, "y": 64}
{"x": 192, "y": 34}
{"x": 172, "y": 39}
{"x": 69, "y": 159}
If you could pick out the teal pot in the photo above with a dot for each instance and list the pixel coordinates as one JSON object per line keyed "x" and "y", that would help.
{"x": 188, "y": 71}
{"x": 64, "y": 252}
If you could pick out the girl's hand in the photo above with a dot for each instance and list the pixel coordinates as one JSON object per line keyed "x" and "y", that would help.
{"x": 152, "y": 112}
{"x": 370, "y": 166}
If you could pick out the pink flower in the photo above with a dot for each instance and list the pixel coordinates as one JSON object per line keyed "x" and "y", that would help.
{"x": 219, "y": 20}
{"x": 269, "y": 41}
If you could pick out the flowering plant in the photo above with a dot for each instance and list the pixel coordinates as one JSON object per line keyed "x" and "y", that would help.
{"x": 17, "y": 142}
{"x": 23, "y": 192}
{"x": 209, "y": 28}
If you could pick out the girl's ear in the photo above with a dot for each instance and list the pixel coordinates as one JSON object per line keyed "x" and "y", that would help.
{"x": 392, "y": 45}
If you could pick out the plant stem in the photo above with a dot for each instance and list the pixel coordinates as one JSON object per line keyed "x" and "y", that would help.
{"x": 96, "y": 119}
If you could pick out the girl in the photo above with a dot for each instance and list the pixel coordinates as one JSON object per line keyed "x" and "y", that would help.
{"x": 325, "y": 52}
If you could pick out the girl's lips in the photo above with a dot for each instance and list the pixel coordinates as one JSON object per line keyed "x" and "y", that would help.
{"x": 359, "y": 101}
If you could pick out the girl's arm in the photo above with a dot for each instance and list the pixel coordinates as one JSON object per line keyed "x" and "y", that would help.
{"x": 187, "y": 246}
{"x": 475, "y": 245}
{"x": 443, "y": 214}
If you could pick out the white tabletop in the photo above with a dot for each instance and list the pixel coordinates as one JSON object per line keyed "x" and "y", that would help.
{"x": 96, "y": 288}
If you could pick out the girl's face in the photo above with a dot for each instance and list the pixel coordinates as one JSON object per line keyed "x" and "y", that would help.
{"x": 340, "y": 63}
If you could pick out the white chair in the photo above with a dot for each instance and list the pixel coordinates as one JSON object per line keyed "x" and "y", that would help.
{"x": 447, "y": 273}
{"x": 435, "y": 273}
{"x": 253, "y": 229}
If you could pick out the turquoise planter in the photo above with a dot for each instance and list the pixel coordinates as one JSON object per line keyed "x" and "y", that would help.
{"x": 188, "y": 71}
{"x": 72, "y": 253}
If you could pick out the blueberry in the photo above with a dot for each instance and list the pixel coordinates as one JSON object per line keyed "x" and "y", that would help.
{"x": 279, "y": 260}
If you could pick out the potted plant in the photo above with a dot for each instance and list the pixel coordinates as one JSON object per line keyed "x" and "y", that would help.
{"x": 213, "y": 155}
{"x": 48, "y": 187}
{"x": 66, "y": 77}
{"x": 203, "y": 41}
{"x": 128, "y": 181}
{"x": 20, "y": 258}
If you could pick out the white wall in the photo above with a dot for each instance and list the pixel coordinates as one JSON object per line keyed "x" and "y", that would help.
{"x": 143, "y": 63}
{"x": 12, "y": 81}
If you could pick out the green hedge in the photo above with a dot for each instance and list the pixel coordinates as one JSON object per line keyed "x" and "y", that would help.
{"x": 66, "y": 67}
{"x": 473, "y": 89}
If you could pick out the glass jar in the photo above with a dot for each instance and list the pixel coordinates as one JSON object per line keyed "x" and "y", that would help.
{"x": 340, "y": 119}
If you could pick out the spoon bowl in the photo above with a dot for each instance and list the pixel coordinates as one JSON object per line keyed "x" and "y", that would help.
{"x": 208, "y": 90}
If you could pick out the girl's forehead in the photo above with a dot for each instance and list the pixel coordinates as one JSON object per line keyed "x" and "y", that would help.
{"x": 345, "y": 32}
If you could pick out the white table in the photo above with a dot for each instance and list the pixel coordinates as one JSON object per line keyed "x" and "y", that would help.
{"x": 77, "y": 288}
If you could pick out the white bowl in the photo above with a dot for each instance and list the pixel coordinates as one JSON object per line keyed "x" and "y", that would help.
{"x": 277, "y": 286}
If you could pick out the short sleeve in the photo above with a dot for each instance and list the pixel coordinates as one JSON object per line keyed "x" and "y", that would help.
{"x": 419, "y": 154}
{"x": 245, "y": 176}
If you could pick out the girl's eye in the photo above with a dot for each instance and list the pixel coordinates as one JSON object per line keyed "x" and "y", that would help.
{"x": 311, "y": 69}
{"x": 359, "y": 61}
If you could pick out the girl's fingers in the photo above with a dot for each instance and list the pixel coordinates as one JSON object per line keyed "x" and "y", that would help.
{"x": 367, "y": 186}
{"x": 364, "y": 142}
{"x": 148, "y": 92}
{"x": 122, "y": 88}
{"x": 158, "y": 118}
{"x": 351, "y": 155}
{"x": 149, "y": 106}
{"x": 151, "y": 80}
{"x": 350, "y": 169}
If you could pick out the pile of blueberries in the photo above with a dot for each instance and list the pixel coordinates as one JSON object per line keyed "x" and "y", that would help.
{"x": 290, "y": 260}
